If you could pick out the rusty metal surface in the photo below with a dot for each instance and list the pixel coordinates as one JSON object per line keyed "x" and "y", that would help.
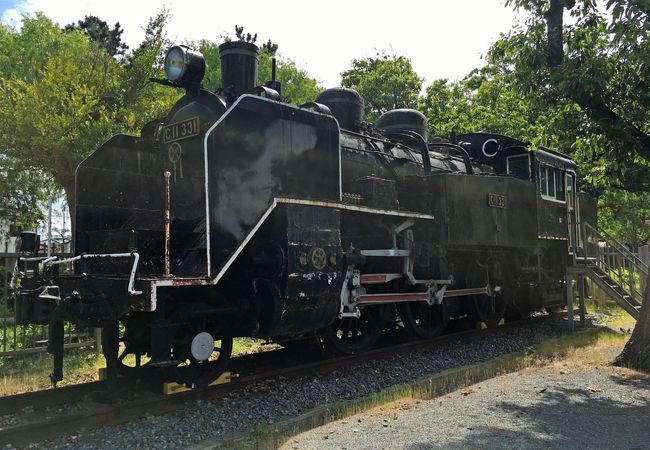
{"x": 167, "y": 220}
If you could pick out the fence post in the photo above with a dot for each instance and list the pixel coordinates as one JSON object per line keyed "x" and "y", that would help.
{"x": 581, "y": 299}
{"x": 98, "y": 340}
{"x": 569, "y": 300}
{"x": 4, "y": 319}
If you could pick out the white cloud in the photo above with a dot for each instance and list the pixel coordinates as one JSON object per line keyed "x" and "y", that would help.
{"x": 443, "y": 39}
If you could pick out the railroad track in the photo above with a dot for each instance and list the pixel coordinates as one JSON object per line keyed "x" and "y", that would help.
{"x": 147, "y": 403}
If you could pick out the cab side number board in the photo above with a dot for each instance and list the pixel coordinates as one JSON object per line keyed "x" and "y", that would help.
{"x": 181, "y": 130}
{"x": 497, "y": 201}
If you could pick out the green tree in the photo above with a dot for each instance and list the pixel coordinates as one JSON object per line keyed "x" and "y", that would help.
{"x": 385, "y": 82}
{"x": 598, "y": 65}
{"x": 22, "y": 194}
{"x": 624, "y": 214}
{"x": 482, "y": 101}
{"x": 62, "y": 95}
{"x": 110, "y": 39}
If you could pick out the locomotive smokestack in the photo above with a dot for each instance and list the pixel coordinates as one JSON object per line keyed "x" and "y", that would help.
{"x": 238, "y": 67}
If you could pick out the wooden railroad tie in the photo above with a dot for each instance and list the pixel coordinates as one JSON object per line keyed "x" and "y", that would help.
{"x": 171, "y": 387}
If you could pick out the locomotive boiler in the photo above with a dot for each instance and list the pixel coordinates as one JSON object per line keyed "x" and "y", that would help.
{"x": 237, "y": 214}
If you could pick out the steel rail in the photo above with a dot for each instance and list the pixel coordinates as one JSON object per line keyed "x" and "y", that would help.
{"x": 115, "y": 414}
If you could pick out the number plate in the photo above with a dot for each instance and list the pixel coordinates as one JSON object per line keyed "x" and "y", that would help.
{"x": 497, "y": 201}
{"x": 181, "y": 130}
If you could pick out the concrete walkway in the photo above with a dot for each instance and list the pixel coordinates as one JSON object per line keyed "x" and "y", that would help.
{"x": 563, "y": 405}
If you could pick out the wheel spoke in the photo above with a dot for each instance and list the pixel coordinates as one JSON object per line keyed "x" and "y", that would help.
{"x": 424, "y": 320}
{"x": 347, "y": 328}
{"x": 352, "y": 335}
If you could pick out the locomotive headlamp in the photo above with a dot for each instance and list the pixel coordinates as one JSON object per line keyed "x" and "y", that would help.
{"x": 184, "y": 66}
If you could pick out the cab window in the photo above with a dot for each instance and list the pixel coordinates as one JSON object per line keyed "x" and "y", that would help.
{"x": 518, "y": 165}
{"x": 551, "y": 183}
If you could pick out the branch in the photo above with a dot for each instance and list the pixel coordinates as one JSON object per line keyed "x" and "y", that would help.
{"x": 612, "y": 123}
{"x": 593, "y": 103}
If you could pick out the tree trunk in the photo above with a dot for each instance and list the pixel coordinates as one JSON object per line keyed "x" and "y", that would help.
{"x": 636, "y": 353}
{"x": 554, "y": 28}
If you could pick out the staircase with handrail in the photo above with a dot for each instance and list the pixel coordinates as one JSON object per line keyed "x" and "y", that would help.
{"x": 617, "y": 271}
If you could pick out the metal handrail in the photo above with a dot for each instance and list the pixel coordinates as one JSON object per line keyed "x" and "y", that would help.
{"x": 614, "y": 259}
{"x": 625, "y": 283}
{"x": 618, "y": 246}
{"x": 54, "y": 261}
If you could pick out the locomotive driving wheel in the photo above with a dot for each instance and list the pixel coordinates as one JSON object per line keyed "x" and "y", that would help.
{"x": 423, "y": 320}
{"x": 131, "y": 364}
{"x": 351, "y": 335}
{"x": 489, "y": 308}
{"x": 132, "y": 361}
{"x": 204, "y": 359}
{"x": 517, "y": 305}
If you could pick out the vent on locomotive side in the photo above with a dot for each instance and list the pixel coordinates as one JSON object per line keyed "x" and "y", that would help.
{"x": 346, "y": 106}
{"x": 402, "y": 124}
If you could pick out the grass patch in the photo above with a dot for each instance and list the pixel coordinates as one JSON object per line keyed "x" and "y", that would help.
{"x": 31, "y": 372}
{"x": 569, "y": 346}
{"x": 25, "y": 373}
{"x": 613, "y": 316}
{"x": 597, "y": 351}
{"x": 583, "y": 346}
{"x": 247, "y": 346}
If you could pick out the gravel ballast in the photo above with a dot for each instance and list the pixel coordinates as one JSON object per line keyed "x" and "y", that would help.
{"x": 275, "y": 400}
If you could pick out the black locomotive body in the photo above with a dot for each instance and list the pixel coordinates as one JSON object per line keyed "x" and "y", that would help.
{"x": 240, "y": 215}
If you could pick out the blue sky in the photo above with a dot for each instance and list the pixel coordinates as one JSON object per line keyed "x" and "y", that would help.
{"x": 7, "y": 4}
{"x": 444, "y": 39}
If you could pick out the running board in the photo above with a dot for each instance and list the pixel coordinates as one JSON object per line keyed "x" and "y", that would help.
{"x": 389, "y": 252}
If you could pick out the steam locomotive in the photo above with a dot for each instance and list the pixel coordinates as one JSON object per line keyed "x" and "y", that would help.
{"x": 239, "y": 215}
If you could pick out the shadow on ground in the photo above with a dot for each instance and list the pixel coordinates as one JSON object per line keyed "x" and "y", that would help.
{"x": 564, "y": 417}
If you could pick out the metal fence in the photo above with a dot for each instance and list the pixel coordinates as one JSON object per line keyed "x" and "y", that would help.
{"x": 25, "y": 339}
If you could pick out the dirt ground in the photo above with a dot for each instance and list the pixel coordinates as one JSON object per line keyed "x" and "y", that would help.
{"x": 577, "y": 402}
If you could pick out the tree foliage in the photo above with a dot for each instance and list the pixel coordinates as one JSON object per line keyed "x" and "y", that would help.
{"x": 624, "y": 215}
{"x": 63, "y": 94}
{"x": 22, "y": 194}
{"x": 110, "y": 39}
{"x": 385, "y": 82}
{"x": 599, "y": 65}
{"x": 478, "y": 102}
{"x": 243, "y": 36}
